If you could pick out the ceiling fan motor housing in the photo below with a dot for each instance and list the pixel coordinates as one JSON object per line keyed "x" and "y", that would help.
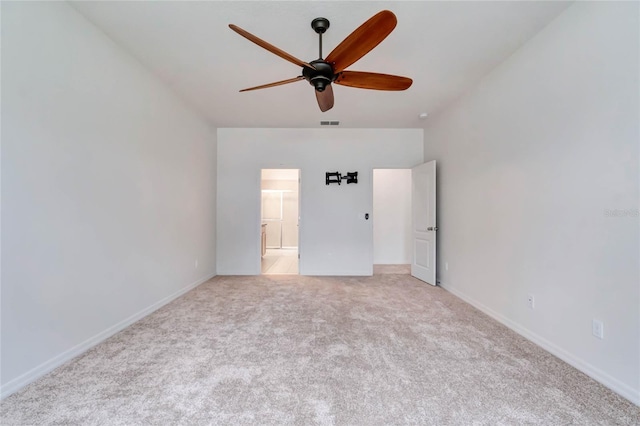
{"x": 321, "y": 76}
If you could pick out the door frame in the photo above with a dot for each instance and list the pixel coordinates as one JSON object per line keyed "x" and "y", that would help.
{"x": 259, "y": 218}
{"x": 373, "y": 217}
{"x": 411, "y": 189}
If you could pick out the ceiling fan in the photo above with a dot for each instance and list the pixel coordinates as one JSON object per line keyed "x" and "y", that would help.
{"x": 321, "y": 73}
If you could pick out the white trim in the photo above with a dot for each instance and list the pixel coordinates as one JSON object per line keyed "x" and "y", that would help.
{"x": 47, "y": 366}
{"x": 598, "y": 375}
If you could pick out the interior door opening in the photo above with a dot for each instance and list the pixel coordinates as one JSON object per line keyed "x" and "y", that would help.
{"x": 280, "y": 206}
{"x": 392, "y": 246}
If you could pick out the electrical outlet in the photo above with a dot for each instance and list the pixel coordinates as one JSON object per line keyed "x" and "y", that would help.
{"x": 531, "y": 301}
{"x": 446, "y": 266}
{"x": 597, "y": 328}
{"x": 196, "y": 264}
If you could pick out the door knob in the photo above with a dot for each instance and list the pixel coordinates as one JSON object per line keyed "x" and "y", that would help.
{"x": 432, "y": 228}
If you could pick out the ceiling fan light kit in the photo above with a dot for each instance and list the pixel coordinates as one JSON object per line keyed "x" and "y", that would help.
{"x": 322, "y": 73}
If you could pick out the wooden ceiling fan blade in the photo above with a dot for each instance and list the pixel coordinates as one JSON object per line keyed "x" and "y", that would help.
{"x": 270, "y": 47}
{"x": 325, "y": 98}
{"x": 362, "y": 40}
{"x": 372, "y": 80}
{"x": 277, "y": 83}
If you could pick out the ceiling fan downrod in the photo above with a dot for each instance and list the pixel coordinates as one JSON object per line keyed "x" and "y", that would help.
{"x": 320, "y": 25}
{"x": 322, "y": 75}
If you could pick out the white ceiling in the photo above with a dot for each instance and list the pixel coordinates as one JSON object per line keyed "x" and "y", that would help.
{"x": 445, "y": 47}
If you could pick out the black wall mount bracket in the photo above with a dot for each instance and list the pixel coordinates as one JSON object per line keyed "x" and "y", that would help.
{"x": 337, "y": 177}
{"x": 333, "y": 177}
{"x": 351, "y": 177}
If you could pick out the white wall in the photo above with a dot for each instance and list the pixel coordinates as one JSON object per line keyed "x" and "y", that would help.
{"x": 334, "y": 237}
{"x": 108, "y": 190}
{"x": 530, "y": 163}
{"x": 392, "y": 216}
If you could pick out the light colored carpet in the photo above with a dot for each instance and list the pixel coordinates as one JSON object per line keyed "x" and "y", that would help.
{"x": 391, "y": 269}
{"x": 379, "y": 350}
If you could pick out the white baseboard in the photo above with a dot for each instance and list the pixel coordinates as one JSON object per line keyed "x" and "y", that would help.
{"x": 47, "y": 366}
{"x": 598, "y": 375}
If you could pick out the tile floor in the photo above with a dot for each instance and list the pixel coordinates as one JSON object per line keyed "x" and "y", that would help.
{"x": 280, "y": 261}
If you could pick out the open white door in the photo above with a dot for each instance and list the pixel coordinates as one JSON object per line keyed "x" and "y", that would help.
{"x": 423, "y": 222}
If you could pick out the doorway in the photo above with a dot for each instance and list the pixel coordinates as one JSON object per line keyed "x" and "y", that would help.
{"x": 280, "y": 206}
{"x": 392, "y": 248}
{"x": 404, "y": 221}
